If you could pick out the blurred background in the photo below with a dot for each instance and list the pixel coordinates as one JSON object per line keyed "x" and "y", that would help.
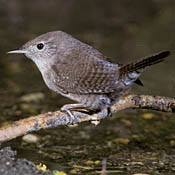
{"x": 124, "y": 30}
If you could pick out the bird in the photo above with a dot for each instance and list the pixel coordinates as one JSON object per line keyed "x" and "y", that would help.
{"x": 80, "y": 72}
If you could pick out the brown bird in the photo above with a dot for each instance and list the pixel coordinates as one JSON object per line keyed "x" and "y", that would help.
{"x": 80, "y": 72}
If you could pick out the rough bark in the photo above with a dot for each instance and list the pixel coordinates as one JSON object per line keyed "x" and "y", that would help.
{"x": 52, "y": 119}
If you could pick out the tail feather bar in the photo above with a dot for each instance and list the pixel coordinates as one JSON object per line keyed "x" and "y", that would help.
{"x": 131, "y": 72}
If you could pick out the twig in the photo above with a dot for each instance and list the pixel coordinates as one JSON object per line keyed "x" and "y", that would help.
{"x": 52, "y": 119}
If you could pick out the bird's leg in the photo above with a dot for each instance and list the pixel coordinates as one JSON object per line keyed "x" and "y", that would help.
{"x": 73, "y": 107}
{"x": 79, "y": 107}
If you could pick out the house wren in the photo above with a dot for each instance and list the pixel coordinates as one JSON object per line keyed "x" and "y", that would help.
{"x": 80, "y": 72}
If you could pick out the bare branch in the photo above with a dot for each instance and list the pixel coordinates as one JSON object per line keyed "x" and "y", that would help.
{"x": 52, "y": 119}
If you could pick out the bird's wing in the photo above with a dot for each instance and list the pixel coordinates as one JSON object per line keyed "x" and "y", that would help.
{"x": 86, "y": 76}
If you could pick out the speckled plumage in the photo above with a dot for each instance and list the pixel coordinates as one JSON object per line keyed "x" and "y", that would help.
{"x": 80, "y": 72}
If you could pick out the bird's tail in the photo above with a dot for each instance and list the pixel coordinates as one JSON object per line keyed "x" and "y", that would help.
{"x": 130, "y": 72}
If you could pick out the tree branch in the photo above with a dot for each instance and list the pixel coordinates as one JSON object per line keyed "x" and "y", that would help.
{"x": 52, "y": 119}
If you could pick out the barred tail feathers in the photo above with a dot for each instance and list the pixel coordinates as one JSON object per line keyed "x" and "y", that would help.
{"x": 131, "y": 72}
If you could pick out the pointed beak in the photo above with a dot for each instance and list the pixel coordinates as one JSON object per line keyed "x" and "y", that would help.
{"x": 17, "y": 51}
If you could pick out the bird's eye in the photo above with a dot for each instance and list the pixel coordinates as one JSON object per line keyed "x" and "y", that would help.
{"x": 40, "y": 46}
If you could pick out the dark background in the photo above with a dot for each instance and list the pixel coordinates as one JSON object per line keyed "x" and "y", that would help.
{"x": 124, "y": 30}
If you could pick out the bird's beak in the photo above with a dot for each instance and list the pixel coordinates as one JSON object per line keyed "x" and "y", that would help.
{"x": 18, "y": 51}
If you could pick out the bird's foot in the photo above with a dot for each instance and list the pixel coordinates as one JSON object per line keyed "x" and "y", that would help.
{"x": 66, "y": 108}
{"x": 72, "y": 107}
{"x": 101, "y": 115}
